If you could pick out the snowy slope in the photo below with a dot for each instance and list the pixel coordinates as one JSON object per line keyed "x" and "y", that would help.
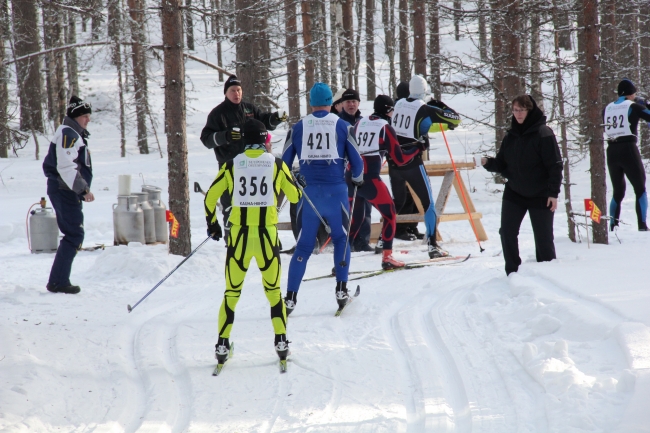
{"x": 558, "y": 347}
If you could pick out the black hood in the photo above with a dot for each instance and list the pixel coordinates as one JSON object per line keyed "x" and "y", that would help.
{"x": 532, "y": 119}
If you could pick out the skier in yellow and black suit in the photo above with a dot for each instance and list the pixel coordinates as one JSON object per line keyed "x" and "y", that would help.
{"x": 254, "y": 179}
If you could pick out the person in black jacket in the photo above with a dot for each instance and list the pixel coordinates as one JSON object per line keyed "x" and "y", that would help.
{"x": 221, "y": 131}
{"x": 529, "y": 158}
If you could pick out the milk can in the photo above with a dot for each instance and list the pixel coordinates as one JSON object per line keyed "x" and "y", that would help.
{"x": 159, "y": 211}
{"x": 43, "y": 230}
{"x": 149, "y": 221}
{"x": 128, "y": 220}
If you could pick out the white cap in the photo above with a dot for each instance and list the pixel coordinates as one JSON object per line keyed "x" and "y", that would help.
{"x": 418, "y": 87}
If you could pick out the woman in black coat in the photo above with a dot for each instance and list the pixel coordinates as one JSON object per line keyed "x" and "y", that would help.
{"x": 530, "y": 160}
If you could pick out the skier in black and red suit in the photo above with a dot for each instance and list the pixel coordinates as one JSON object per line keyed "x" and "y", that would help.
{"x": 375, "y": 137}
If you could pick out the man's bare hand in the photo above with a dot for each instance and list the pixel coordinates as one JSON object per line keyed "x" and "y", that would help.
{"x": 89, "y": 197}
{"x": 551, "y": 203}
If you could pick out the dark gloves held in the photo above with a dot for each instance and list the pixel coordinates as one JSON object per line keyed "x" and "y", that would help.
{"x": 300, "y": 180}
{"x": 357, "y": 183}
{"x": 214, "y": 230}
{"x": 233, "y": 134}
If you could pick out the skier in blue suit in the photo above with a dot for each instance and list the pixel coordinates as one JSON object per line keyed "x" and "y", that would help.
{"x": 322, "y": 142}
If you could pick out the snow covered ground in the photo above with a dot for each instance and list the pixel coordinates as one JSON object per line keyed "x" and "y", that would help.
{"x": 557, "y": 347}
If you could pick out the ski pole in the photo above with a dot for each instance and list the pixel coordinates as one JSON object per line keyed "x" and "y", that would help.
{"x": 347, "y": 237}
{"x": 327, "y": 227}
{"x": 462, "y": 192}
{"x": 130, "y": 308}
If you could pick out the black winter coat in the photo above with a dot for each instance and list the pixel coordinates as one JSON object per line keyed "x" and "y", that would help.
{"x": 530, "y": 161}
{"x": 225, "y": 116}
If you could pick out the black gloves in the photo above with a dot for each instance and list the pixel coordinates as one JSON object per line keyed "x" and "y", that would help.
{"x": 423, "y": 145}
{"x": 233, "y": 134}
{"x": 214, "y": 230}
{"x": 300, "y": 180}
{"x": 357, "y": 182}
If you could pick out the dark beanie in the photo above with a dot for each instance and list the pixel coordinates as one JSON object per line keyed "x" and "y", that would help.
{"x": 77, "y": 107}
{"x": 626, "y": 87}
{"x": 254, "y": 132}
{"x": 231, "y": 81}
{"x": 384, "y": 104}
{"x": 350, "y": 95}
{"x": 402, "y": 90}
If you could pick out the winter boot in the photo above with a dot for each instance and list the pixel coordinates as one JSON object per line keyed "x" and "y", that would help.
{"x": 380, "y": 246}
{"x": 405, "y": 235}
{"x": 643, "y": 227}
{"x": 69, "y": 289}
{"x": 222, "y": 350}
{"x": 290, "y": 302}
{"x": 388, "y": 262}
{"x": 342, "y": 293}
{"x": 415, "y": 232}
{"x": 435, "y": 251}
{"x": 282, "y": 346}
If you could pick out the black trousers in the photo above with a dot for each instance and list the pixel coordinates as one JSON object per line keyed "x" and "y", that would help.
{"x": 624, "y": 160}
{"x": 70, "y": 218}
{"x": 512, "y": 214}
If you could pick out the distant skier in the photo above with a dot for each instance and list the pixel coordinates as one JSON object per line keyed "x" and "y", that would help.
{"x": 69, "y": 174}
{"x": 222, "y": 129}
{"x": 412, "y": 119}
{"x": 621, "y": 119}
{"x": 254, "y": 179}
{"x": 322, "y": 141}
{"x": 375, "y": 137}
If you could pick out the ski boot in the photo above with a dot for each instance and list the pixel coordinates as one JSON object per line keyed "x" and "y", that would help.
{"x": 222, "y": 350}
{"x": 290, "y": 302}
{"x": 380, "y": 246}
{"x": 69, "y": 289}
{"x": 282, "y": 349}
{"x": 388, "y": 262}
{"x": 342, "y": 296}
{"x": 435, "y": 252}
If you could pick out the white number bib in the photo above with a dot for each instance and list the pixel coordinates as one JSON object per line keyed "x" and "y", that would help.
{"x": 253, "y": 178}
{"x": 617, "y": 123}
{"x": 319, "y": 137}
{"x": 368, "y": 135}
{"x": 404, "y": 117}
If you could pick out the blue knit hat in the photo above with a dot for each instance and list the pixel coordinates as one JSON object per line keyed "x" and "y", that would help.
{"x": 320, "y": 95}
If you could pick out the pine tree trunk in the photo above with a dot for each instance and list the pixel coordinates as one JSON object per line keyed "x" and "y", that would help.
{"x": 26, "y": 41}
{"x": 96, "y": 22}
{"x": 434, "y": 50}
{"x": 323, "y": 49}
{"x": 51, "y": 39}
{"x": 114, "y": 32}
{"x": 139, "y": 61}
{"x": 627, "y": 38}
{"x": 5, "y": 137}
{"x": 334, "y": 48}
{"x": 307, "y": 48}
{"x": 71, "y": 55}
{"x": 582, "y": 79}
{"x": 217, "y": 27}
{"x": 535, "y": 57}
{"x": 608, "y": 47}
{"x": 404, "y": 51}
{"x": 357, "y": 42}
{"x": 563, "y": 129}
{"x": 371, "y": 86}
{"x": 387, "y": 18}
{"x": 644, "y": 67}
{"x": 419, "y": 38}
{"x": 189, "y": 26}
{"x": 594, "y": 116}
{"x": 293, "y": 75}
{"x": 457, "y": 6}
{"x": 348, "y": 31}
{"x": 562, "y": 25}
{"x": 172, "y": 34}
{"x": 482, "y": 30}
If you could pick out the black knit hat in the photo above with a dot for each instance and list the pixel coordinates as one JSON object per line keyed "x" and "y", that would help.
{"x": 402, "y": 90}
{"x": 350, "y": 95}
{"x": 231, "y": 81}
{"x": 626, "y": 87}
{"x": 254, "y": 132}
{"x": 77, "y": 107}
{"x": 384, "y": 104}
